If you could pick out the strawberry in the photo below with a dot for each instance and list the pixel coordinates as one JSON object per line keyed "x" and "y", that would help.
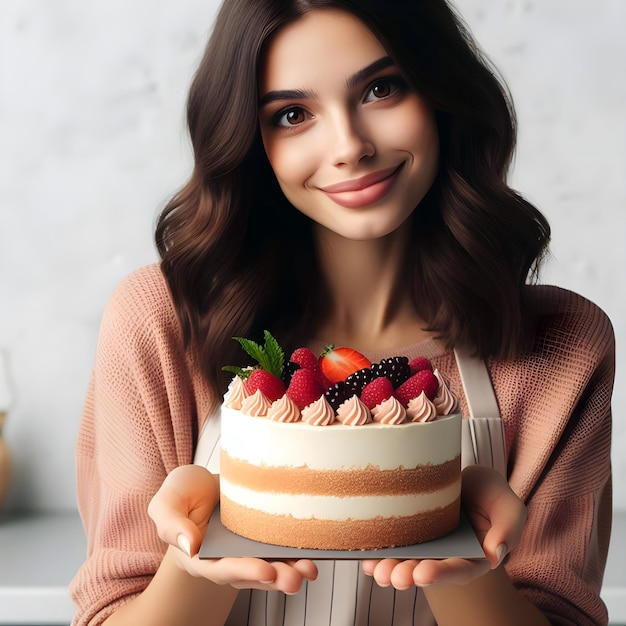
{"x": 420, "y": 363}
{"x": 271, "y": 386}
{"x": 304, "y": 388}
{"x": 379, "y": 390}
{"x": 424, "y": 380}
{"x": 307, "y": 360}
{"x": 338, "y": 363}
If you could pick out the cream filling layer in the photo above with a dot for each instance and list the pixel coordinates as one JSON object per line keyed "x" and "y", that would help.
{"x": 338, "y": 508}
{"x": 260, "y": 441}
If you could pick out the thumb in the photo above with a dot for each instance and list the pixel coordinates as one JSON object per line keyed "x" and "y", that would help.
{"x": 495, "y": 510}
{"x": 508, "y": 517}
{"x": 181, "y": 508}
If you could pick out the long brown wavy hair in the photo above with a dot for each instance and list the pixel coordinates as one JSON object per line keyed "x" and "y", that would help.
{"x": 239, "y": 258}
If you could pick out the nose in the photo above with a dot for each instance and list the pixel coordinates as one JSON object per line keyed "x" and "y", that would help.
{"x": 349, "y": 140}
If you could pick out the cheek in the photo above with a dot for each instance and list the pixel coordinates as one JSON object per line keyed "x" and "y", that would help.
{"x": 292, "y": 162}
{"x": 413, "y": 128}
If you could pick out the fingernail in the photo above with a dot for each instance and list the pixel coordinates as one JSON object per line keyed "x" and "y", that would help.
{"x": 501, "y": 552}
{"x": 184, "y": 544}
{"x": 266, "y": 582}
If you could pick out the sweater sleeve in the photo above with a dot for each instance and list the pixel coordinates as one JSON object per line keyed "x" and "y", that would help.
{"x": 139, "y": 422}
{"x": 561, "y": 465}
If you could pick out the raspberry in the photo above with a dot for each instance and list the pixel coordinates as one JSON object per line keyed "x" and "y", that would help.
{"x": 420, "y": 363}
{"x": 396, "y": 369}
{"x": 271, "y": 386}
{"x": 304, "y": 388}
{"x": 377, "y": 391}
{"x": 424, "y": 380}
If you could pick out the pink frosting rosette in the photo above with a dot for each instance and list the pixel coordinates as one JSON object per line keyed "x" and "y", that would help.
{"x": 353, "y": 412}
{"x": 421, "y": 409}
{"x": 236, "y": 393}
{"x": 389, "y": 411}
{"x": 256, "y": 405}
{"x": 445, "y": 401}
{"x": 284, "y": 410}
{"x": 318, "y": 413}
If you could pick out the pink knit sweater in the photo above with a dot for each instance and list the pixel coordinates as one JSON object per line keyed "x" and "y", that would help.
{"x": 146, "y": 402}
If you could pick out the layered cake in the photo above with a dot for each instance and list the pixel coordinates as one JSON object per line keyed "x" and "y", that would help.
{"x": 338, "y": 453}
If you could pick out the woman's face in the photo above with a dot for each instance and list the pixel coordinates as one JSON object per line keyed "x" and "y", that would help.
{"x": 352, "y": 146}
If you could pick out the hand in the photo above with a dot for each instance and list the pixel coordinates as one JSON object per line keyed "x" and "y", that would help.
{"x": 498, "y": 517}
{"x": 181, "y": 510}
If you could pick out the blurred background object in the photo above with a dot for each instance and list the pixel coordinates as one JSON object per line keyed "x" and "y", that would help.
{"x": 5, "y": 404}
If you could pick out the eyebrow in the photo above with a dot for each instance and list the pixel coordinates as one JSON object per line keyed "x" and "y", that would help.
{"x": 351, "y": 82}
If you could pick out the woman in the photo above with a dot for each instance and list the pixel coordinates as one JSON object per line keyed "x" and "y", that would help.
{"x": 349, "y": 187}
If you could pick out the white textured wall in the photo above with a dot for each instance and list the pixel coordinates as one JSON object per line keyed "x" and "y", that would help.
{"x": 91, "y": 144}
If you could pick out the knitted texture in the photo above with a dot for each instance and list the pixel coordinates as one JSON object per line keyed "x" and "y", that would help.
{"x": 146, "y": 403}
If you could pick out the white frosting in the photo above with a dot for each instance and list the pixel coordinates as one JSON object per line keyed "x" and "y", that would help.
{"x": 260, "y": 441}
{"x": 338, "y": 508}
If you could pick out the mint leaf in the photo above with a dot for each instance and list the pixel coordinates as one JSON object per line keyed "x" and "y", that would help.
{"x": 239, "y": 371}
{"x": 252, "y": 348}
{"x": 270, "y": 357}
{"x": 274, "y": 354}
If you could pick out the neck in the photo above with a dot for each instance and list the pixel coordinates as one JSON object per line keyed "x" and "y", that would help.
{"x": 369, "y": 305}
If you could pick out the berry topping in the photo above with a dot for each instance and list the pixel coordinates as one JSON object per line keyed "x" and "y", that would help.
{"x": 289, "y": 368}
{"x": 376, "y": 392}
{"x": 420, "y": 363}
{"x": 304, "y": 388}
{"x": 338, "y": 363}
{"x": 306, "y": 359}
{"x": 271, "y": 386}
{"x": 355, "y": 382}
{"x": 396, "y": 369}
{"x": 338, "y": 394}
{"x": 424, "y": 380}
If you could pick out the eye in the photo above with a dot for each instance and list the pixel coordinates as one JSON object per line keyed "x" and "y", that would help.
{"x": 289, "y": 117}
{"x": 383, "y": 88}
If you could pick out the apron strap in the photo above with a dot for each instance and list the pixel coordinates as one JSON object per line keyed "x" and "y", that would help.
{"x": 483, "y": 440}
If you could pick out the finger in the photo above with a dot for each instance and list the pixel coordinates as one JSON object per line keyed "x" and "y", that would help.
{"x": 402, "y": 574}
{"x": 181, "y": 507}
{"x": 244, "y": 572}
{"x": 449, "y": 571}
{"x": 284, "y": 578}
{"x": 495, "y": 511}
{"x": 368, "y": 566}
{"x": 383, "y": 570}
{"x": 288, "y": 578}
{"x": 305, "y": 567}
{"x": 508, "y": 518}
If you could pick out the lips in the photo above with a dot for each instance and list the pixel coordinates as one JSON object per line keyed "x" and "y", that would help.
{"x": 363, "y": 191}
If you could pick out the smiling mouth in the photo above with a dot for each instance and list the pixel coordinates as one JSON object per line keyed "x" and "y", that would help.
{"x": 363, "y": 191}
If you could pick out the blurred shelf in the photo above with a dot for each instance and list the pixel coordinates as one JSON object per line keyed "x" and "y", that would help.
{"x": 40, "y": 553}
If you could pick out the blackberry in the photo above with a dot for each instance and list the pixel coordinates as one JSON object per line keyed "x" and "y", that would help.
{"x": 396, "y": 369}
{"x": 287, "y": 372}
{"x": 338, "y": 394}
{"x": 355, "y": 382}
